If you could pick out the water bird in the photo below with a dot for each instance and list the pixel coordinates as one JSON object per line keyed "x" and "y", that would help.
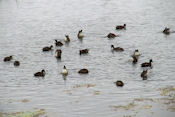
{"x": 8, "y": 58}
{"x": 58, "y": 43}
{"x": 119, "y": 83}
{"x": 166, "y": 31}
{"x": 47, "y": 48}
{"x": 119, "y": 27}
{"x": 83, "y": 71}
{"x": 40, "y": 74}
{"x": 135, "y": 59}
{"x": 111, "y": 35}
{"x": 147, "y": 64}
{"x": 64, "y": 71}
{"x": 84, "y": 51}
{"x": 144, "y": 75}
{"x": 80, "y": 35}
{"x": 117, "y": 48}
{"x": 67, "y": 39}
{"x": 58, "y": 53}
{"x": 16, "y": 63}
{"x": 136, "y": 53}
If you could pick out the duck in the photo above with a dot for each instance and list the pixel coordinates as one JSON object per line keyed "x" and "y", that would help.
{"x": 144, "y": 75}
{"x": 147, "y": 64}
{"x": 80, "y": 35}
{"x": 119, "y": 27}
{"x": 8, "y": 58}
{"x": 16, "y": 63}
{"x": 119, "y": 83}
{"x": 135, "y": 59}
{"x": 166, "y": 31}
{"x": 117, "y": 48}
{"x": 47, "y": 48}
{"x": 40, "y": 74}
{"x": 58, "y": 53}
{"x": 136, "y": 53}
{"x": 83, "y": 71}
{"x": 84, "y": 51}
{"x": 67, "y": 39}
{"x": 111, "y": 35}
{"x": 64, "y": 71}
{"x": 58, "y": 43}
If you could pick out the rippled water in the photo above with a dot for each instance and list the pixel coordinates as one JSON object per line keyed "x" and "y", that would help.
{"x": 26, "y": 26}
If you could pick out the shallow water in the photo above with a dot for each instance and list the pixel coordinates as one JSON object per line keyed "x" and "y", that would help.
{"x": 26, "y": 26}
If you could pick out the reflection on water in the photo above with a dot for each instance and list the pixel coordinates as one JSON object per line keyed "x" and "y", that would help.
{"x": 26, "y": 26}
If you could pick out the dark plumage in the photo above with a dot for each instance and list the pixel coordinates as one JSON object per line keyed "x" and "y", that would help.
{"x": 67, "y": 39}
{"x": 83, "y": 71}
{"x": 84, "y": 51}
{"x": 40, "y": 74}
{"x": 119, "y": 27}
{"x": 58, "y": 54}
{"x": 111, "y": 35}
{"x": 119, "y": 83}
{"x": 147, "y": 64}
{"x": 134, "y": 61}
{"x": 47, "y": 48}
{"x": 58, "y": 43}
{"x": 16, "y": 63}
{"x": 144, "y": 75}
{"x": 8, "y": 58}
{"x": 79, "y": 35}
{"x": 117, "y": 48}
{"x": 166, "y": 31}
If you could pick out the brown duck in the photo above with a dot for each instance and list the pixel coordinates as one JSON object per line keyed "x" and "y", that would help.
{"x": 47, "y": 48}
{"x": 119, "y": 27}
{"x": 8, "y": 58}
{"x": 144, "y": 75}
{"x": 111, "y": 35}
{"x": 83, "y": 71}
{"x": 119, "y": 83}
{"x": 117, "y": 48}
{"x": 166, "y": 31}
{"x": 67, "y": 39}
{"x": 147, "y": 64}
{"x": 40, "y": 74}
{"x": 84, "y": 51}
{"x": 58, "y": 43}
{"x": 134, "y": 61}
{"x": 58, "y": 53}
{"x": 16, "y": 63}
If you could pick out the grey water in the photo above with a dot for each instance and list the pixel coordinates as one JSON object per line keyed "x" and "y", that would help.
{"x": 26, "y": 26}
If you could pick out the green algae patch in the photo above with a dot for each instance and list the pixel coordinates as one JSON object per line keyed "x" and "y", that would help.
{"x": 38, "y": 113}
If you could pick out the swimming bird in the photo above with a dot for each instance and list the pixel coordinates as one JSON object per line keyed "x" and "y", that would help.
{"x": 8, "y": 58}
{"x": 83, "y": 71}
{"x": 16, "y": 63}
{"x": 147, "y": 64}
{"x": 64, "y": 71}
{"x": 136, "y": 53}
{"x": 119, "y": 83}
{"x": 80, "y": 35}
{"x": 47, "y": 48}
{"x": 58, "y": 53}
{"x": 40, "y": 74}
{"x": 117, "y": 48}
{"x": 119, "y": 27}
{"x": 135, "y": 59}
{"x": 144, "y": 75}
{"x": 166, "y": 31}
{"x": 58, "y": 43}
{"x": 84, "y": 51}
{"x": 111, "y": 35}
{"x": 67, "y": 39}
